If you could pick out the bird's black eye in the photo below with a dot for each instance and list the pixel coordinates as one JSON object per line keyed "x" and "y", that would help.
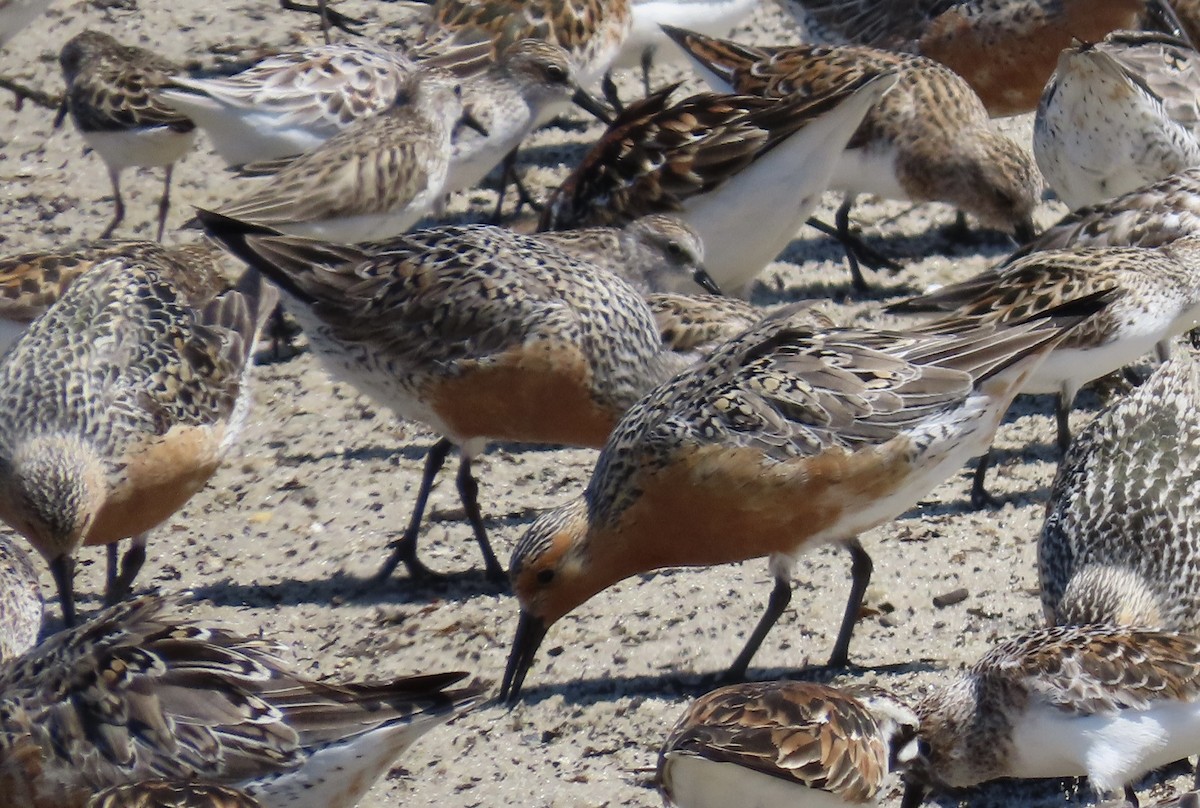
{"x": 545, "y": 576}
{"x": 676, "y": 249}
{"x": 556, "y": 74}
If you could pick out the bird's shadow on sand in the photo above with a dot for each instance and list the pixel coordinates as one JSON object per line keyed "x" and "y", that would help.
{"x": 341, "y": 587}
{"x": 586, "y": 692}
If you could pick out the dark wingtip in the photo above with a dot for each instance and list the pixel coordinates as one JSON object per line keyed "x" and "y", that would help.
{"x": 233, "y": 236}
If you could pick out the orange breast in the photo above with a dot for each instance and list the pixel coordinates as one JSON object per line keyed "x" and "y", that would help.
{"x": 536, "y": 395}
{"x": 1009, "y": 59}
{"x": 720, "y": 505}
{"x": 160, "y": 476}
{"x": 22, "y": 784}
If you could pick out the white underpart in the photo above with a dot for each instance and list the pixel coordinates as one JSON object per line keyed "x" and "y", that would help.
{"x": 245, "y": 134}
{"x": 747, "y": 221}
{"x": 1111, "y": 749}
{"x": 868, "y": 171}
{"x": 942, "y": 445}
{"x": 373, "y": 373}
{"x": 341, "y": 773}
{"x": 697, "y": 782}
{"x": 709, "y": 17}
{"x": 1101, "y": 136}
{"x": 366, "y": 227}
{"x": 159, "y": 146}
{"x": 1070, "y": 368}
{"x": 858, "y": 171}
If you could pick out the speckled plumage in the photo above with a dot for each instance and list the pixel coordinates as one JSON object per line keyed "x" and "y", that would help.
{"x": 370, "y": 181}
{"x": 120, "y": 401}
{"x": 144, "y": 692}
{"x": 1149, "y": 216}
{"x": 694, "y": 326}
{"x": 655, "y": 253}
{"x": 590, "y": 30}
{"x": 797, "y": 737}
{"x": 1154, "y": 296}
{"x": 21, "y": 604}
{"x": 292, "y": 102}
{"x": 1117, "y": 115}
{"x": 531, "y": 81}
{"x": 112, "y": 97}
{"x": 477, "y": 331}
{"x": 170, "y": 794}
{"x": 1005, "y": 49}
{"x": 1063, "y": 702}
{"x": 928, "y": 140}
{"x": 32, "y": 282}
{"x": 1121, "y": 541}
{"x": 783, "y": 439}
{"x": 745, "y": 172}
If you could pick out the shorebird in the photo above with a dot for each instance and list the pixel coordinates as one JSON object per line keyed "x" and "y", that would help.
{"x": 291, "y": 102}
{"x": 144, "y": 692}
{"x": 656, "y": 253}
{"x": 30, "y": 283}
{"x": 646, "y": 38}
{"x": 374, "y": 179}
{"x": 479, "y": 332}
{"x": 1005, "y": 49}
{"x": 927, "y": 140}
{"x": 1150, "y": 216}
{"x": 119, "y": 403}
{"x": 172, "y": 794}
{"x": 508, "y": 100}
{"x": 111, "y": 97}
{"x": 1117, "y": 115}
{"x": 21, "y": 604}
{"x": 1122, "y": 534}
{"x": 745, "y": 172}
{"x": 783, "y": 439}
{"x": 591, "y": 31}
{"x": 1107, "y": 702}
{"x": 1154, "y": 293}
{"x": 785, "y": 743}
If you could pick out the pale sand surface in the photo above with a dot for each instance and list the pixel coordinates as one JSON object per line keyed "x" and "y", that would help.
{"x": 286, "y": 535}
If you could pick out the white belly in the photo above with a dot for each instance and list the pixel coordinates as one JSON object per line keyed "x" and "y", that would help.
{"x": 159, "y": 146}
{"x": 750, "y": 219}
{"x": 1071, "y": 368}
{"x": 1110, "y": 749}
{"x": 868, "y": 171}
{"x": 697, "y": 782}
{"x": 246, "y": 134}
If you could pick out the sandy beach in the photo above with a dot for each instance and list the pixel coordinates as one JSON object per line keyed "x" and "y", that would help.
{"x": 286, "y": 536}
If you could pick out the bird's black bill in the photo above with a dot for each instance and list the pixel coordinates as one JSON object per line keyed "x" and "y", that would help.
{"x": 914, "y": 795}
{"x": 590, "y": 104}
{"x": 472, "y": 122}
{"x": 1024, "y": 232}
{"x": 706, "y": 282}
{"x": 61, "y": 115}
{"x": 530, "y": 631}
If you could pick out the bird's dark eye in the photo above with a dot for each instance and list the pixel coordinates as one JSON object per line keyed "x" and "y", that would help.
{"x": 545, "y": 576}
{"x": 676, "y": 249}
{"x": 556, "y": 74}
